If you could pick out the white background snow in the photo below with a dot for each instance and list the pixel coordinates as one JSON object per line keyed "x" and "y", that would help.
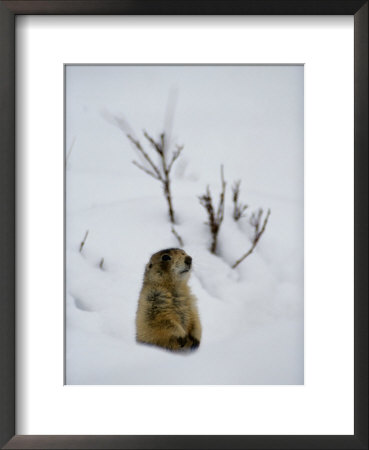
{"x": 248, "y": 118}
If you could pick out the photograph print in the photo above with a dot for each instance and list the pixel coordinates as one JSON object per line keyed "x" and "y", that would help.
{"x": 184, "y": 224}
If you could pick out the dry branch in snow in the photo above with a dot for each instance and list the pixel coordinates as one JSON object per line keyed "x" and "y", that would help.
{"x": 178, "y": 237}
{"x": 255, "y": 221}
{"x": 160, "y": 171}
{"x": 215, "y": 218}
{"x": 238, "y": 208}
{"x": 82, "y": 244}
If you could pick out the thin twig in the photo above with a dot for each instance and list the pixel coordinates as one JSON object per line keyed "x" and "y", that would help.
{"x": 220, "y": 212}
{"x": 238, "y": 208}
{"x": 145, "y": 170}
{"x": 145, "y": 155}
{"x": 82, "y": 244}
{"x": 158, "y": 147}
{"x": 215, "y": 218}
{"x": 175, "y": 156}
{"x": 179, "y": 239}
{"x": 101, "y": 265}
{"x": 256, "y": 223}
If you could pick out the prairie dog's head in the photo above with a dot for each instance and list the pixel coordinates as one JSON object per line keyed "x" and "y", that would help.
{"x": 169, "y": 265}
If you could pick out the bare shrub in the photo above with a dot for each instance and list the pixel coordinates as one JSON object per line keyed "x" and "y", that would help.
{"x": 160, "y": 171}
{"x": 259, "y": 228}
{"x": 215, "y": 218}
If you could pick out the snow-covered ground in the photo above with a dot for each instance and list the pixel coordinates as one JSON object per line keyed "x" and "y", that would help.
{"x": 251, "y": 120}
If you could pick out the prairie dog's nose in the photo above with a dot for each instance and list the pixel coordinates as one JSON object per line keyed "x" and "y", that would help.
{"x": 188, "y": 260}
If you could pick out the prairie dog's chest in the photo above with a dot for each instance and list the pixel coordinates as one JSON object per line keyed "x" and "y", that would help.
{"x": 179, "y": 302}
{"x": 181, "y": 308}
{"x": 176, "y": 305}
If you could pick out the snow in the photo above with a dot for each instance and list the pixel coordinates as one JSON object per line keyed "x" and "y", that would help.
{"x": 248, "y": 118}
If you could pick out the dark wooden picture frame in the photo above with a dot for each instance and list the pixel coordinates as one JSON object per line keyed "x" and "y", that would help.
{"x": 8, "y": 11}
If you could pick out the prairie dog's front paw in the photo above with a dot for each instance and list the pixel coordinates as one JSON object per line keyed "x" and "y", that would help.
{"x": 195, "y": 342}
{"x": 182, "y": 341}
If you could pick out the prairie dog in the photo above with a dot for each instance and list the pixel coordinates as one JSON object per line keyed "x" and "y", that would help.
{"x": 167, "y": 314}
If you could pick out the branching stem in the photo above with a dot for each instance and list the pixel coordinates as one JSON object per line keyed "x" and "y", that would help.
{"x": 215, "y": 218}
{"x": 255, "y": 221}
{"x": 159, "y": 172}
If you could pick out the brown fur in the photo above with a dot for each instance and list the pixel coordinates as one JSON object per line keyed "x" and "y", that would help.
{"x": 167, "y": 315}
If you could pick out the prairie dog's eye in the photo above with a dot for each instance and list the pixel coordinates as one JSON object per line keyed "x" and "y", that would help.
{"x": 165, "y": 258}
{"x": 150, "y": 265}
